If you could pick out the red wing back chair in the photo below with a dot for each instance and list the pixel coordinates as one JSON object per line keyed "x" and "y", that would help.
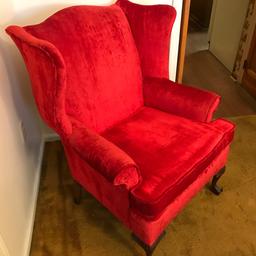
{"x": 138, "y": 142}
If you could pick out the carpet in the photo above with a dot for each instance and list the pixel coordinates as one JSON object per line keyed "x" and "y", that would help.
{"x": 209, "y": 225}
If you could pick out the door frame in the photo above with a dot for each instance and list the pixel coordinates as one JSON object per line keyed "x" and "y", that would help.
{"x": 175, "y": 37}
{"x": 183, "y": 40}
{"x": 245, "y": 42}
{"x": 249, "y": 77}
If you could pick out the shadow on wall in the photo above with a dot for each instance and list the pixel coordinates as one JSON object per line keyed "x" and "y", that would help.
{"x": 21, "y": 96}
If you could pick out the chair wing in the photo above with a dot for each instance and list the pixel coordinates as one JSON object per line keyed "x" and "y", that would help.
{"x": 47, "y": 73}
{"x": 100, "y": 57}
{"x": 151, "y": 27}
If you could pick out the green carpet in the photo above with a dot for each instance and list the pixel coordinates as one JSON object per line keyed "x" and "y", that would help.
{"x": 208, "y": 226}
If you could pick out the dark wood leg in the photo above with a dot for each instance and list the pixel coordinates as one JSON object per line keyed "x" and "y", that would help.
{"x": 77, "y": 193}
{"x": 148, "y": 249}
{"x": 214, "y": 187}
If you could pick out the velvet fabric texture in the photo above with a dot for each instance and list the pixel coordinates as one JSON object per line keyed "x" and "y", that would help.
{"x": 148, "y": 230}
{"x": 151, "y": 27}
{"x": 113, "y": 163}
{"x": 47, "y": 73}
{"x": 138, "y": 143}
{"x": 170, "y": 151}
{"x": 107, "y": 70}
{"x": 114, "y": 198}
{"x": 186, "y": 101}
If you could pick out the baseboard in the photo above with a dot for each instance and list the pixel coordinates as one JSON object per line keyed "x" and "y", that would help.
{"x": 45, "y": 138}
{"x": 31, "y": 219}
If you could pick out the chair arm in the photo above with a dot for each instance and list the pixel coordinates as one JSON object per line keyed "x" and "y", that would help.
{"x": 181, "y": 100}
{"x": 105, "y": 157}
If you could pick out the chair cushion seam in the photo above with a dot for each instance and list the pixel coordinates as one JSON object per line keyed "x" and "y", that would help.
{"x": 211, "y": 154}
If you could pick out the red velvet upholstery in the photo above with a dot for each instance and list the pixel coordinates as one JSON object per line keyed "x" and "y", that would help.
{"x": 113, "y": 163}
{"x": 47, "y": 72}
{"x": 143, "y": 146}
{"x": 180, "y": 100}
{"x": 114, "y": 198}
{"x": 149, "y": 230}
{"x": 151, "y": 27}
{"x": 171, "y": 152}
{"x": 101, "y": 45}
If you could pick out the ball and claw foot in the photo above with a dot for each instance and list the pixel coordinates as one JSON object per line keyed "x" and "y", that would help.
{"x": 214, "y": 187}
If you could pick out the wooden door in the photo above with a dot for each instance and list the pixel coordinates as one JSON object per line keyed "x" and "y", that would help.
{"x": 249, "y": 77}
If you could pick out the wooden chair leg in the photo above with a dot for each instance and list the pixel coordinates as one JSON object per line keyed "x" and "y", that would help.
{"x": 148, "y": 249}
{"x": 77, "y": 193}
{"x": 214, "y": 187}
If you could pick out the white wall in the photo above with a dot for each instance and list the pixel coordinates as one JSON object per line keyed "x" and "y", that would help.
{"x": 226, "y": 27}
{"x": 20, "y": 157}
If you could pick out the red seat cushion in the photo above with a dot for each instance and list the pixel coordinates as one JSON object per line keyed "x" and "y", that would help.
{"x": 170, "y": 151}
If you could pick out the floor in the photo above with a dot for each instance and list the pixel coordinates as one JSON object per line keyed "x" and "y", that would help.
{"x": 203, "y": 70}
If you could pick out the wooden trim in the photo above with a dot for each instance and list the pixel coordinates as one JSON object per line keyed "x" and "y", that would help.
{"x": 183, "y": 39}
{"x": 245, "y": 42}
{"x": 175, "y": 39}
{"x": 249, "y": 75}
{"x": 252, "y": 45}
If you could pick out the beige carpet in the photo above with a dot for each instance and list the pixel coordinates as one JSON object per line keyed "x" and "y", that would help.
{"x": 208, "y": 226}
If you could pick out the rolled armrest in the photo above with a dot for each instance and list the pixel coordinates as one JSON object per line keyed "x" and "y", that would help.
{"x": 181, "y": 100}
{"x": 105, "y": 157}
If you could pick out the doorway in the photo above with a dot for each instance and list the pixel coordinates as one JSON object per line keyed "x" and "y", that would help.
{"x": 198, "y": 26}
{"x": 205, "y": 64}
{"x": 210, "y": 25}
